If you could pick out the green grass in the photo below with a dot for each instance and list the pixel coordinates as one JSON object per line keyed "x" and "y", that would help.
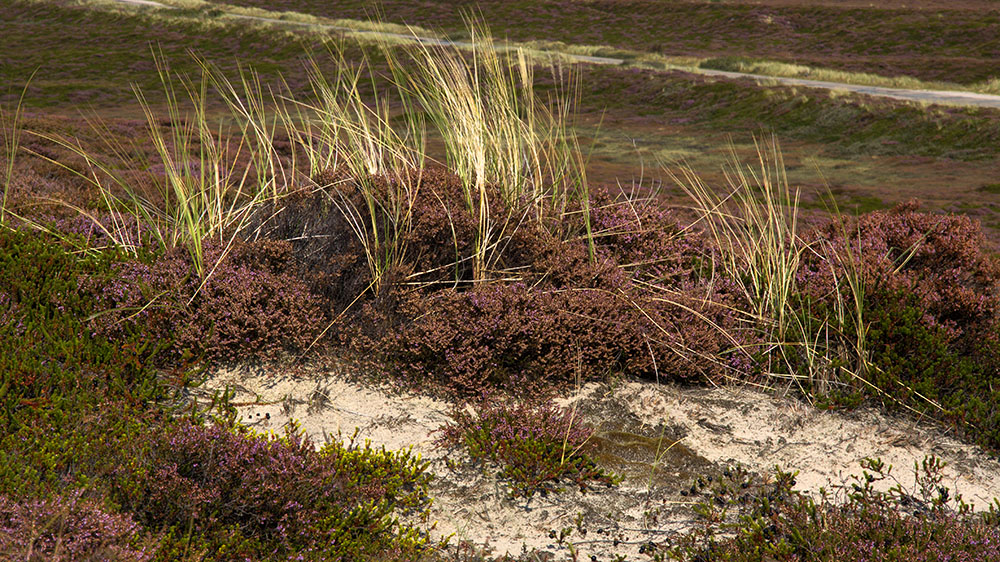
{"x": 114, "y": 47}
{"x": 845, "y": 125}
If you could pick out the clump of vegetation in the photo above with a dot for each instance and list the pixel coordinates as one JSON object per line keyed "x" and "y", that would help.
{"x": 748, "y": 518}
{"x": 535, "y": 445}
{"x": 66, "y": 528}
{"x": 321, "y": 215}
{"x": 552, "y": 312}
{"x": 239, "y": 494}
{"x": 929, "y": 302}
{"x": 253, "y": 305}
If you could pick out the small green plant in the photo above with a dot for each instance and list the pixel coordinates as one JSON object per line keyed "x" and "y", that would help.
{"x": 747, "y": 518}
{"x": 535, "y": 446}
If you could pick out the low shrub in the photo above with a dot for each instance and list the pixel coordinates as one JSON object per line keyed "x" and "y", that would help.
{"x": 931, "y": 308}
{"x": 252, "y": 304}
{"x": 243, "y": 495}
{"x": 81, "y": 412}
{"x": 69, "y": 528}
{"x": 644, "y": 238}
{"x": 66, "y": 369}
{"x": 514, "y": 334}
{"x": 553, "y": 314}
{"x": 940, "y": 262}
{"x": 747, "y": 518}
{"x": 535, "y": 445}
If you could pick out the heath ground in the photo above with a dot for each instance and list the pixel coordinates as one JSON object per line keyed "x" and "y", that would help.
{"x": 309, "y": 280}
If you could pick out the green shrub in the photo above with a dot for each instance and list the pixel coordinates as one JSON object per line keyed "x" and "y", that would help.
{"x": 51, "y": 364}
{"x": 747, "y": 518}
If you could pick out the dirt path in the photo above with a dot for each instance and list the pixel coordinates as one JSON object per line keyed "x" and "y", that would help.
{"x": 945, "y": 97}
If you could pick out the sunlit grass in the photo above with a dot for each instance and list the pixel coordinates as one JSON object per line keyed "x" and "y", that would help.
{"x": 341, "y": 130}
{"x": 10, "y": 136}
{"x": 210, "y": 183}
{"x": 754, "y": 224}
{"x": 498, "y": 132}
{"x": 501, "y": 138}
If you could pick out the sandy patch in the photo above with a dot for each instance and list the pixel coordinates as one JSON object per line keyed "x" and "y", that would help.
{"x": 761, "y": 430}
{"x": 636, "y": 422}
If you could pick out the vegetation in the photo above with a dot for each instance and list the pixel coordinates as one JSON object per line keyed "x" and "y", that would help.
{"x": 98, "y": 465}
{"x": 536, "y": 446}
{"x": 869, "y": 148}
{"x": 745, "y": 517}
{"x": 876, "y": 39}
{"x": 245, "y": 218}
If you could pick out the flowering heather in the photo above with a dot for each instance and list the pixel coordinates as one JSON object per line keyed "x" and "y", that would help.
{"x": 938, "y": 260}
{"x": 555, "y": 314}
{"x": 931, "y": 308}
{"x": 535, "y": 445}
{"x": 252, "y": 305}
{"x": 68, "y": 528}
{"x": 496, "y": 334}
{"x": 265, "y": 497}
{"x": 646, "y": 239}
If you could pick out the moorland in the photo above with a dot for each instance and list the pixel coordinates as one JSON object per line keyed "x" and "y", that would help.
{"x": 487, "y": 230}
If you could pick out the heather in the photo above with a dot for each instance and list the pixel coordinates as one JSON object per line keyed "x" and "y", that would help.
{"x": 536, "y": 446}
{"x": 555, "y": 314}
{"x": 875, "y": 39}
{"x": 68, "y": 528}
{"x": 252, "y": 306}
{"x": 929, "y": 297}
{"x": 95, "y": 466}
{"x": 311, "y": 221}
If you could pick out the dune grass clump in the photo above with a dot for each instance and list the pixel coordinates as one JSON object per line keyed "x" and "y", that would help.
{"x": 554, "y": 315}
{"x": 536, "y": 446}
{"x": 753, "y": 229}
{"x": 747, "y": 518}
{"x": 202, "y": 186}
{"x": 898, "y": 306}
